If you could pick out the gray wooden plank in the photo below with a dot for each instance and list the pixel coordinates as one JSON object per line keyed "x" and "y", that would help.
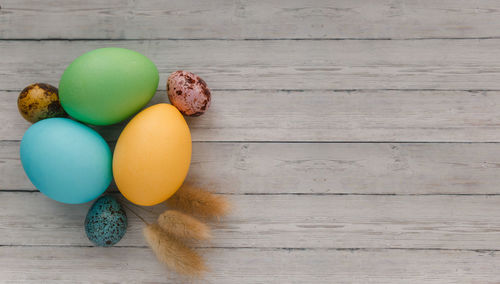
{"x": 286, "y": 233}
{"x": 396, "y": 116}
{"x": 283, "y": 221}
{"x": 141, "y": 19}
{"x": 134, "y": 265}
{"x": 324, "y": 168}
{"x": 285, "y": 64}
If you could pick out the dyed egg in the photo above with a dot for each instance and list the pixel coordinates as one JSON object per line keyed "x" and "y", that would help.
{"x": 152, "y": 155}
{"x": 188, "y": 93}
{"x": 106, "y": 222}
{"x": 39, "y": 101}
{"x": 66, "y": 160}
{"x": 107, "y": 85}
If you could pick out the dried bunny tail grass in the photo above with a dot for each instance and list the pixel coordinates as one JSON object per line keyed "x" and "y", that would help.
{"x": 183, "y": 226}
{"x": 199, "y": 202}
{"x": 174, "y": 253}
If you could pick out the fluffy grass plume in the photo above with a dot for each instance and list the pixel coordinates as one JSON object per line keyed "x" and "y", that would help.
{"x": 183, "y": 226}
{"x": 199, "y": 202}
{"x": 173, "y": 253}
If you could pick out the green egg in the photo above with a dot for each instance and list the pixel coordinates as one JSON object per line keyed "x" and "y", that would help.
{"x": 107, "y": 85}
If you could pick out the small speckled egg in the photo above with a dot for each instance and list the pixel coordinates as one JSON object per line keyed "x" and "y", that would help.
{"x": 39, "y": 101}
{"x": 188, "y": 93}
{"x": 106, "y": 222}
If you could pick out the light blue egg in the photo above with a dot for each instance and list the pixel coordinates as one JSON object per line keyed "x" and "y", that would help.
{"x": 66, "y": 160}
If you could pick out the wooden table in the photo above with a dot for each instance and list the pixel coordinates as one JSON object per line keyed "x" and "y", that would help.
{"x": 358, "y": 140}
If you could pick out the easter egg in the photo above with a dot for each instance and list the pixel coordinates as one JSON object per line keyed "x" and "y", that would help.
{"x": 188, "y": 93}
{"x": 106, "y": 222}
{"x": 39, "y": 101}
{"x": 107, "y": 85}
{"x": 66, "y": 160}
{"x": 152, "y": 155}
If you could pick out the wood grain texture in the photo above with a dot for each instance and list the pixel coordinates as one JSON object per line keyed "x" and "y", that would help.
{"x": 137, "y": 265}
{"x": 278, "y": 65}
{"x": 321, "y": 72}
{"x": 284, "y": 221}
{"x": 226, "y": 19}
{"x": 394, "y": 116}
{"x": 311, "y": 168}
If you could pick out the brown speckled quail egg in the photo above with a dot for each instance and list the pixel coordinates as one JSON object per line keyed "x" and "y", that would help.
{"x": 39, "y": 101}
{"x": 188, "y": 93}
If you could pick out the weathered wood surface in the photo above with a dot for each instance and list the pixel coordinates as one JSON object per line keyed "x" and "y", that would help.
{"x": 251, "y": 265}
{"x": 284, "y": 72}
{"x": 289, "y": 221}
{"x": 226, "y": 19}
{"x": 419, "y": 116}
{"x": 323, "y": 168}
{"x": 284, "y": 64}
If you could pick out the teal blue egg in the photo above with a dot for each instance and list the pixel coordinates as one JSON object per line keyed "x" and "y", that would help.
{"x": 106, "y": 222}
{"x": 66, "y": 160}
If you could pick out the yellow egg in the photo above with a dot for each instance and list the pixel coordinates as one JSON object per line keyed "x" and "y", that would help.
{"x": 152, "y": 155}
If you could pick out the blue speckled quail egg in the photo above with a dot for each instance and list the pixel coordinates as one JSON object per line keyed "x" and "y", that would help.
{"x": 106, "y": 222}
